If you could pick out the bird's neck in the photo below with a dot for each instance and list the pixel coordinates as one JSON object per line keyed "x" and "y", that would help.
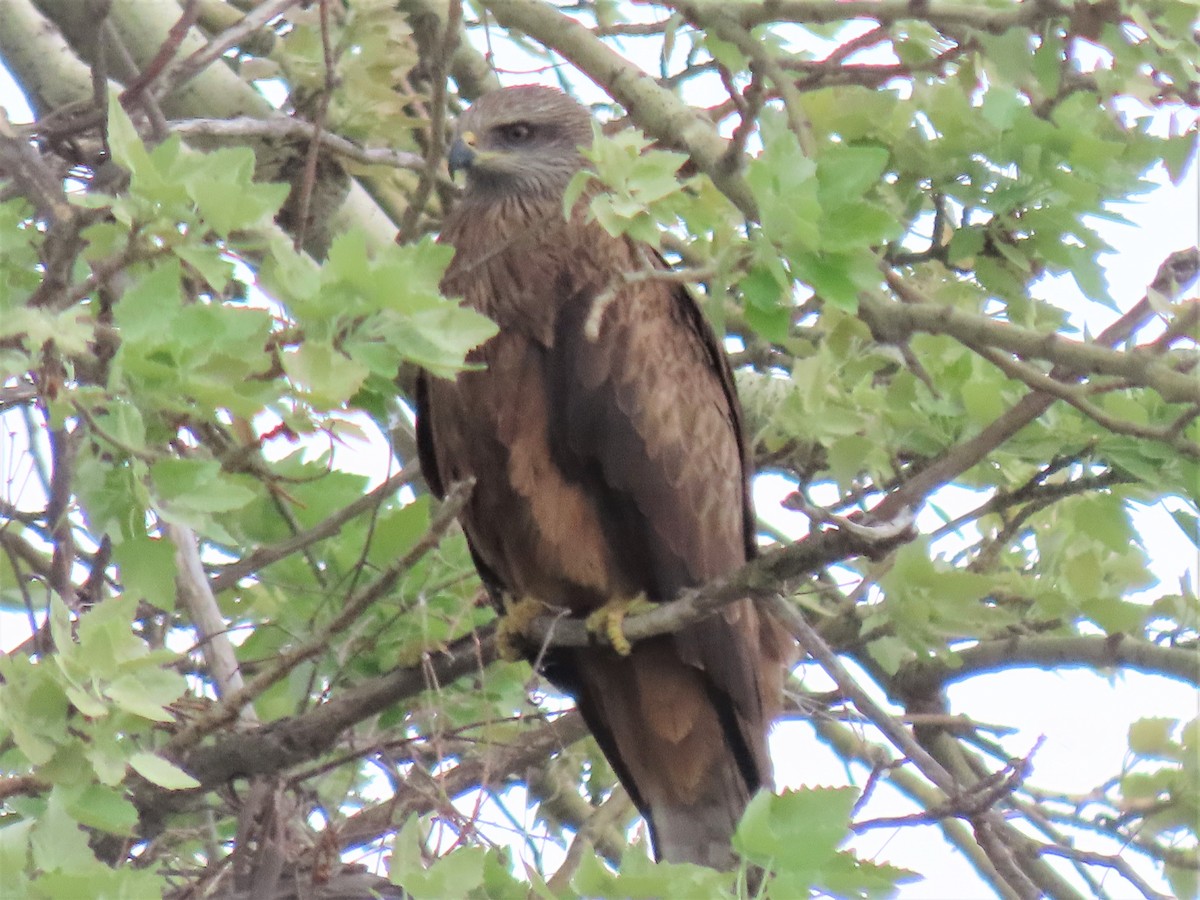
{"x": 512, "y": 256}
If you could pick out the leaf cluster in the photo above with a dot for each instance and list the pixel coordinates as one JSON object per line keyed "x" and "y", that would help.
{"x": 239, "y": 610}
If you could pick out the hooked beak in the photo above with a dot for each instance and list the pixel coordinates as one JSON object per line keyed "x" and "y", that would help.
{"x": 462, "y": 153}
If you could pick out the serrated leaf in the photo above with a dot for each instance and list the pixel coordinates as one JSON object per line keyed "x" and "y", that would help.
{"x": 1152, "y": 737}
{"x": 440, "y": 339}
{"x": 222, "y": 186}
{"x": 796, "y": 831}
{"x": 327, "y": 377}
{"x": 106, "y": 638}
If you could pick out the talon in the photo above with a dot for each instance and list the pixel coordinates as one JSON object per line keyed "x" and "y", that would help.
{"x": 512, "y": 630}
{"x": 609, "y": 620}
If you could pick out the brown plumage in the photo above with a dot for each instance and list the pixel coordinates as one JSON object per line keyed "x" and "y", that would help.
{"x": 608, "y": 464}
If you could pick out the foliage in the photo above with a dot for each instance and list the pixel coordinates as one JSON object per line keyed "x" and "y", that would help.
{"x": 228, "y": 652}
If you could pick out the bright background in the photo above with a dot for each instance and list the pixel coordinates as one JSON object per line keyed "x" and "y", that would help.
{"x": 1083, "y": 716}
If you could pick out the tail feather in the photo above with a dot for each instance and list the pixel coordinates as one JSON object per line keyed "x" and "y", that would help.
{"x": 702, "y": 831}
{"x": 676, "y": 743}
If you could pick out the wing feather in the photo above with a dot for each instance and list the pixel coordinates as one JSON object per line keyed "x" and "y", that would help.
{"x": 644, "y": 414}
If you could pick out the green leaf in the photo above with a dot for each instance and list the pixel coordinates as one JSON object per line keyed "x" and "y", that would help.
{"x": 890, "y": 653}
{"x": 834, "y": 277}
{"x": 784, "y": 185}
{"x": 208, "y": 260}
{"x": 16, "y": 843}
{"x": 1189, "y": 524}
{"x": 327, "y": 377}
{"x": 127, "y": 148}
{"x": 147, "y": 567}
{"x": 158, "y": 771}
{"x": 398, "y": 529}
{"x": 1152, "y": 737}
{"x": 59, "y": 843}
{"x": 438, "y": 340}
{"x": 198, "y": 485}
{"x": 108, "y": 754}
{"x": 574, "y": 190}
{"x": 147, "y": 310}
{"x": 459, "y": 873}
{"x": 104, "y": 808}
{"x": 222, "y": 186}
{"x": 106, "y": 638}
{"x": 1184, "y": 882}
{"x": 34, "y": 708}
{"x": 796, "y": 831}
{"x": 641, "y": 879}
{"x": 147, "y": 692}
{"x": 846, "y": 173}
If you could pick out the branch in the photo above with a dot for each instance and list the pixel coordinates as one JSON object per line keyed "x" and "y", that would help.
{"x": 1076, "y": 397}
{"x": 166, "y": 52}
{"x": 939, "y": 13}
{"x": 495, "y": 766}
{"x": 471, "y": 70}
{"x": 264, "y": 556}
{"x": 280, "y": 127}
{"x": 849, "y": 745}
{"x": 184, "y": 71}
{"x": 561, "y": 804}
{"x": 1118, "y": 864}
{"x": 227, "y": 710}
{"x": 895, "y": 323}
{"x": 34, "y": 179}
{"x": 211, "y": 629}
{"x": 595, "y": 833}
{"x": 990, "y": 829}
{"x": 287, "y": 742}
{"x": 435, "y": 148}
{"x": 762, "y": 578}
{"x": 1176, "y": 271}
{"x": 926, "y": 677}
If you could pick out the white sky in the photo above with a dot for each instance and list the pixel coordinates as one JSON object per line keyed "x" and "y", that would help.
{"x": 1082, "y": 715}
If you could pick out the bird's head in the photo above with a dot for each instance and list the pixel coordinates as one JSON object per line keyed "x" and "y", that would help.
{"x": 520, "y": 140}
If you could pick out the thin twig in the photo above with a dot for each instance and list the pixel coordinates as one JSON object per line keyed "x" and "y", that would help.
{"x": 309, "y": 176}
{"x": 166, "y": 52}
{"x": 187, "y": 69}
{"x": 227, "y": 710}
{"x": 283, "y": 127}
{"x": 258, "y": 559}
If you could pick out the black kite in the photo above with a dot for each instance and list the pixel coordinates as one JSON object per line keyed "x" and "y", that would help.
{"x": 609, "y": 464}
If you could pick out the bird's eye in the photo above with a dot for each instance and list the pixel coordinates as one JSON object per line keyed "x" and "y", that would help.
{"x": 515, "y": 132}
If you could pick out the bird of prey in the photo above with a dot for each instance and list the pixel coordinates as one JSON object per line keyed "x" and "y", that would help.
{"x": 605, "y": 437}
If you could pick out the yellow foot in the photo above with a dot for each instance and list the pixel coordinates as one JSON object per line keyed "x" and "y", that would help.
{"x": 511, "y": 633}
{"x": 609, "y": 620}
